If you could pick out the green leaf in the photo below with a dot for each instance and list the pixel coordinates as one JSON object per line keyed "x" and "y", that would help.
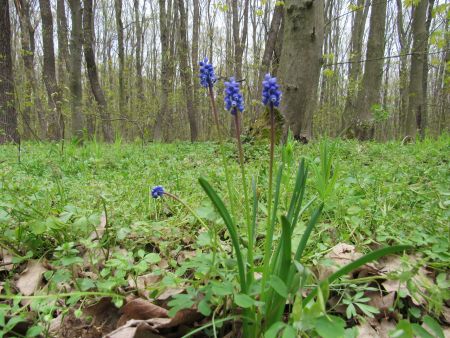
{"x": 289, "y": 332}
{"x": 222, "y": 289}
{"x": 203, "y": 308}
{"x": 434, "y": 326}
{"x": 272, "y": 332}
{"x": 38, "y": 227}
{"x": 34, "y": 331}
{"x": 218, "y": 203}
{"x": 420, "y": 331}
{"x": 403, "y": 330}
{"x": 85, "y": 284}
{"x": 278, "y": 285}
{"x": 330, "y": 327}
{"x": 244, "y": 301}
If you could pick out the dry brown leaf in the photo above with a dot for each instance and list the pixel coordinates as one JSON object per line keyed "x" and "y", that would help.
{"x": 183, "y": 317}
{"x": 445, "y": 314}
{"x": 342, "y": 254}
{"x": 142, "y": 282}
{"x": 384, "y": 328}
{"x": 142, "y": 309}
{"x": 5, "y": 260}
{"x": 185, "y": 255}
{"x": 134, "y": 329}
{"x": 365, "y": 330}
{"x": 31, "y": 279}
{"x": 380, "y": 301}
{"x": 100, "y": 230}
{"x": 168, "y": 293}
{"x": 447, "y": 332}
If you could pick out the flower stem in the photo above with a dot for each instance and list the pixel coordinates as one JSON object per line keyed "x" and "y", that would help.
{"x": 269, "y": 229}
{"x": 222, "y": 152}
{"x": 246, "y": 201}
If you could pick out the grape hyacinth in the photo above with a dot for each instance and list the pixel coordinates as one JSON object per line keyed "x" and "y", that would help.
{"x": 233, "y": 97}
{"x": 207, "y": 76}
{"x": 158, "y": 191}
{"x": 271, "y": 93}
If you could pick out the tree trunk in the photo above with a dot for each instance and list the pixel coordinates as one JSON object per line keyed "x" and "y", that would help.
{"x": 301, "y": 60}
{"x": 240, "y": 40}
{"x": 63, "y": 50}
{"x": 415, "y": 92}
{"x": 369, "y": 93}
{"x": 356, "y": 43}
{"x": 56, "y": 119}
{"x": 122, "y": 103}
{"x": 165, "y": 82}
{"x": 271, "y": 41}
{"x": 76, "y": 90}
{"x": 89, "y": 55}
{"x": 425, "y": 71}
{"x": 183, "y": 52}
{"x": 195, "y": 57}
{"x": 28, "y": 48}
{"x": 140, "y": 82}
{"x": 8, "y": 114}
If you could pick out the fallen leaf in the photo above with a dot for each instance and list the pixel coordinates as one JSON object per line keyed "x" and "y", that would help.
{"x": 134, "y": 329}
{"x": 380, "y": 301}
{"x": 445, "y": 314}
{"x": 168, "y": 293}
{"x": 182, "y": 317}
{"x": 185, "y": 255}
{"x": 31, "y": 278}
{"x": 384, "y": 328}
{"x": 340, "y": 255}
{"x": 141, "y": 309}
{"x": 5, "y": 260}
{"x": 100, "y": 230}
{"x": 365, "y": 330}
{"x": 142, "y": 282}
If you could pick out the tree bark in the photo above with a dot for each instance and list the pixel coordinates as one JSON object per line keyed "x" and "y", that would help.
{"x": 89, "y": 55}
{"x": 8, "y": 114}
{"x": 415, "y": 92}
{"x": 183, "y": 52}
{"x": 165, "y": 81}
{"x": 240, "y": 40}
{"x": 63, "y": 49}
{"x": 140, "y": 82}
{"x": 121, "y": 50}
{"x": 301, "y": 60}
{"x": 195, "y": 57}
{"x": 76, "y": 90}
{"x": 28, "y": 48}
{"x": 271, "y": 41}
{"x": 359, "y": 23}
{"x": 424, "y": 119}
{"x": 369, "y": 93}
{"x": 56, "y": 120}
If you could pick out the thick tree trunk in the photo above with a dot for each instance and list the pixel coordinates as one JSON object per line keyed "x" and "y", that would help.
{"x": 183, "y": 52}
{"x": 28, "y": 48}
{"x": 165, "y": 82}
{"x": 8, "y": 114}
{"x": 301, "y": 60}
{"x": 195, "y": 57}
{"x": 76, "y": 90}
{"x": 240, "y": 40}
{"x": 369, "y": 93}
{"x": 359, "y": 23}
{"x": 139, "y": 82}
{"x": 63, "y": 42}
{"x": 89, "y": 55}
{"x": 418, "y": 57}
{"x": 121, "y": 48}
{"x": 56, "y": 119}
{"x": 424, "y": 118}
{"x": 271, "y": 41}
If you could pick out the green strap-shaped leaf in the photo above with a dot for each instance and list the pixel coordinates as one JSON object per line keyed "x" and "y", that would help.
{"x": 218, "y": 203}
{"x": 374, "y": 255}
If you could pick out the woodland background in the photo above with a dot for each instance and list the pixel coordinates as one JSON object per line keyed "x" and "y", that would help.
{"x": 85, "y": 69}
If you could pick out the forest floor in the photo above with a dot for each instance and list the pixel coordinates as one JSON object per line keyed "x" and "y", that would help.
{"x": 81, "y": 237}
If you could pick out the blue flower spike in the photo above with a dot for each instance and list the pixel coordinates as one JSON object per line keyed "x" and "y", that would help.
{"x": 157, "y": 191}
{"x": 233, "y": 97}
{"x": 271, "y": 93}
{"x": 207, "y": 75}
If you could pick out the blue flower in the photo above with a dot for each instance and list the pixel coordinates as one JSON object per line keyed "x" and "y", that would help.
{"x": 157, "y": 191}
{"x": 233, "y": 97}
{"x": 207, "y": 76}
{"x": 271, "y": 91}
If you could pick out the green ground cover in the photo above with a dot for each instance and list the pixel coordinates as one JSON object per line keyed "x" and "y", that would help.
{"x": 52, "y": 203}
